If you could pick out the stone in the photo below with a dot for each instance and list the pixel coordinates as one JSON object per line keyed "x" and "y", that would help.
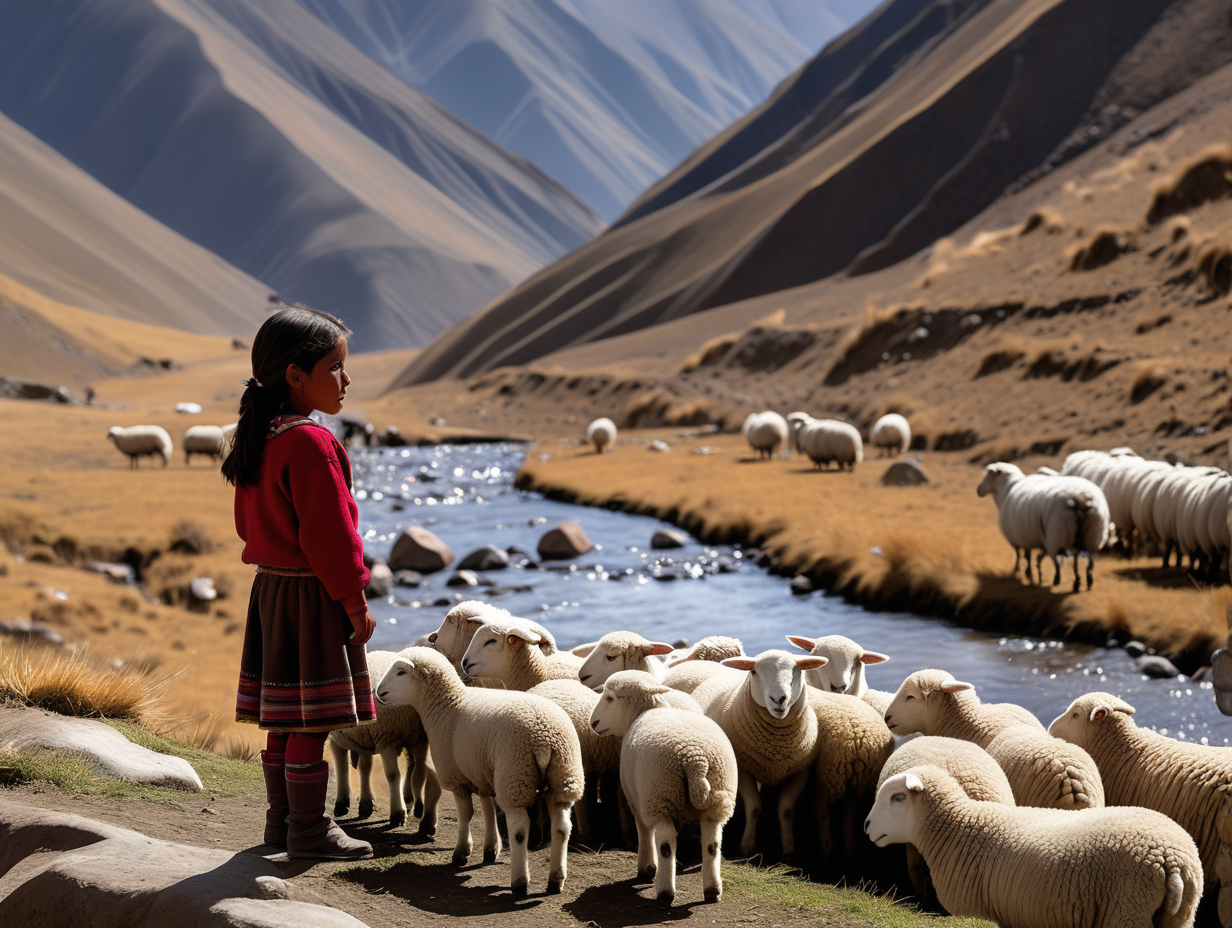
{"x": 380, "y": 579}
{"x": 419, "y": 549}
{"x": 905, "y": 473}
{"x": 463, "y": 578}
{"x": 656, "y": 445}
{"x": 201, "y": 589}
{"x": 391, "y": 437}
{"x": 666, "y": 538}
{"x": 1156, "y": 665}
{"x": 117, "y": 573}
{"x": 103, "y": 747}
{"x": 411, "y": 578}
{"x": 681, "y": 643}
{"x": 563, "y": 542}
{"x": 1221, "y": 679}
{"x": 1135, "y": 648}
{"x": 30, "y": 631}
{"x": 801, "y": 584}
{"x": 41, "y": 554}
{"x": 489, "y": 557}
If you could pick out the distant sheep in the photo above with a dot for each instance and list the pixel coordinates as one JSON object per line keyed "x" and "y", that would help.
{"x": 891, "y": 434}
{"x": 618, "y": 651}
{"x": 795, "y": 422}
{"x": 140, "y": 440}
{"x": 602, "y": 434}
{"x": 203, "y": 439}
{"x": 765, "y": 432}
{"x": 829, "y": 440}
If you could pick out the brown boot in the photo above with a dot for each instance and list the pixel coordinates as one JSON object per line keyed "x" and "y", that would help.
{"x": 276, "y": 794}
{"x": 312, "y": 833}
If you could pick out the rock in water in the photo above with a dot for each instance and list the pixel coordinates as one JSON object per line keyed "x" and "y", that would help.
{"x": 463, "y": 578}
{"x": 489, "y": 557}
{"x": 380, "y": 579}
{"x": 409, "y": 578}
{"x": 908, "y": 473}
{"x": 1135, "y": 649}
{"x": 668, "y": 538}
{"x": 565, "y": 541}
{"x": 418, "y": 549}
{"x": 801, "y": 584}
{"x": 1156, "y": 665}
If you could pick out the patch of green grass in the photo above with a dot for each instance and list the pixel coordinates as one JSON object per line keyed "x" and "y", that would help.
{"x": 381, "y": 864}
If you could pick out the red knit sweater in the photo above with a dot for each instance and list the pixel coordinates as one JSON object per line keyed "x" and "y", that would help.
{"x": 301, "y": 513}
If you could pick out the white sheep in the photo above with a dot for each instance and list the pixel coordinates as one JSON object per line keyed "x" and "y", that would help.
{"x": 891, "y": 434}
{"x": 137, "y": 441}
{"x": 618, "y": 651}
{"x": 396, "y": 729}
{"x": 765, "y": 432}
{"x": 509, "y": 650}
{"x": 1059, "y": 515}
{"x": 844, "y": 668}
{"x": 829, "y": 440}
{"x": 711, "y": 648}
{"x": 512, "y": 746}
{"x": 766, "y": 713}
{"x": 675, "y": 767}
{"x": 203, "y": 439}
{"x": 1041, "y": 868}
{"x": 458, "y": 627}
{"x": 1191, "y": 783}
{"x": 602, "y": 434}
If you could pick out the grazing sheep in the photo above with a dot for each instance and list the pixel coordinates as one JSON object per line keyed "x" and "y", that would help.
{"x": 515, "y": 747}
{"x": 396, "y": 729}
{"x": 766, "y": 713}
{"x": 891, "y": 434}
{"x": 1056, "y": 514}
{"x": 1041, "y": 868}
{"x": 137, "y": 441}
{"x": 829, "y": 440}
{"x": 618, "y": 651}
{"x": 795, "y": 422}
{"x": 675, "y": 767}
{"x": 509, "y": 650}
{"x": 203, "y": 439}
{"x": 602, "y": 434}
{"x": 844, "y": 669}
{"x": 1191, "y": 783}
{"x": 765, "y": 432}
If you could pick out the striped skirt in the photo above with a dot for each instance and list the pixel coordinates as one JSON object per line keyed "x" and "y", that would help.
{"x": 298, "y": 673}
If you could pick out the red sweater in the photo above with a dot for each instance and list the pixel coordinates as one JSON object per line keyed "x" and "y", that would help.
{"x": 301, "y": 513}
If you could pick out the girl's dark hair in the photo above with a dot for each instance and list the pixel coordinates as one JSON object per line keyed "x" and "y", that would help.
{"x": 296, "y": 335}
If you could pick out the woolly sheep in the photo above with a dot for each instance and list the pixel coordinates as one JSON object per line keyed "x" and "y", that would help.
{"x": 675, "y": 767}
{"x": 509, "y": 650}
{"x": 602, "y": 434}
{"x": 711, "y": 648}
{"x": 891, "y": 434}
{"x": 396, "y": 729}
{"x": 829, "y": 440}
{"x": 766, "y": 713}
{"x": 1042, "y": 770}
{"x": 765, "y": 432}
{"x": 1056, "y": 514}
{"x": 617, "y": 651}
{"x": 459, "y": 627}
{"x": 1040, "y": 868}
{"x": 513, "y": 746}
{"x": 844, "y": 669}
{"x": 1188, "y": 782}
{"x": 795, "y": 422}
{"x": 140, "y": 440}
{"x": 203, "y": 439}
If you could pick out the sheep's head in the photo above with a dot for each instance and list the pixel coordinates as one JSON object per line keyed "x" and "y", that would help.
{"x": 997, "y": 476}
{"x": 460, "y": 625}
{"x": 495, "y": 646}
{"x": 776, "y": 679}
{"x": 844, "y": 670}
{"x": 711, "y": 648}
{"x": 114, "y": 432}
{"x": 916, "y": 705}
{"x": 898, "y": 810}
{"x": 1089, "y": 714}
{"x": 408, "y": 677}
{"x": 618, "y": 651}
{"x": 622, "y": 698}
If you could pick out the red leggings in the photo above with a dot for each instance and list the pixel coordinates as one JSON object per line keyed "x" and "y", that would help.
{"x": 299, "y": 747}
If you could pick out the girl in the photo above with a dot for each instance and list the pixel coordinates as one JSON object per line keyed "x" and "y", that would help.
{"x": 304, "y": 671}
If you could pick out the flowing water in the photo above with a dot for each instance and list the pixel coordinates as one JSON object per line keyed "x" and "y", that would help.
{"x": 465, "y": 494}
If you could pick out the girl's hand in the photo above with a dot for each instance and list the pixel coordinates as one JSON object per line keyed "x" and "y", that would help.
{"x": 364, "y": 625}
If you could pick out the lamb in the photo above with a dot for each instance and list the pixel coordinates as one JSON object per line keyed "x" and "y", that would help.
{"x": 765, "y": 432}
{"x": 602, "y": 434}
{"x": 1188, "y": 782}
{"x": 203, "y": 439}
{"x": 515, "y": 747}
{"x": 618, "y": 651}
{"x": 766, "y": 714}
{"x": 675, "y": 767}
{"x": 509, "y": 650}
{"x": 459, "y": 627}
{"x": 829, "y": 440}
{"x": 891, "y": 434}
{"x": 844, "y": 669}
{"x": 1042, "y": 770}
{"x": 1041, "y": 868}
{"x": 137, "y": 441}
{"x": 397, "y": 728}
{"x": 1056, "y": 514}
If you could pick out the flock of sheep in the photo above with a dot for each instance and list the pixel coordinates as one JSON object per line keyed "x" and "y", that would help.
{"x": 138, "y": 441}
{"x": 1093, "y": 821}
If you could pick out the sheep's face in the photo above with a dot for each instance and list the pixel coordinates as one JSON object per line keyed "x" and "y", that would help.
{"x": 625, "y": 696}
{"x": 114, "y": 432}
{"x": 616, "y": 652}
{"x": 494, "y": 649}
{"x": 996, "y": 476}
{"x": 776, "y": 679}
{"x": 844, "y": 670}
{"x": 896, "y": 811}
{"x": 916, "y": 704}
{"x": 399, "y": 684}
{"x": 1086, "y": 716}
{"x": 459, "y": 627}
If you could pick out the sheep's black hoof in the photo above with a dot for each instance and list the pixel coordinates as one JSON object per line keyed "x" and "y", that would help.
{"x": 648, "y": 873}
{"x": 459, "y": 860}
{"x": 419, "y": 808}
{"x": 341, "y": 809}
{"x": 553, "y": 887}
{"x": 365, "y": 808}
{"x": 489, "y": 855}
{"x": 397, "y": 819}
{"x": 713, "y": 895}
{"x": 519, "y": 889}
{"x": 426, "y": 831}
{"x": 666, "y": 897}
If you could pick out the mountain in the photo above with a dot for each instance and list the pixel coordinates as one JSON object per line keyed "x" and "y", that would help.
{"x": 895, "y": 135}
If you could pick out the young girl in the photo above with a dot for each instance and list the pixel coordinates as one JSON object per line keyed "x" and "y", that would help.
{"x": 304, "y": 671}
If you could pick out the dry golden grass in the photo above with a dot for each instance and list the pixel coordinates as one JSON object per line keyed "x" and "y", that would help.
{"x": 1105, "y": 246}
{"x": 1148, "y": 378}
{"x": 710, "y": 352}
{"x": 1208, "y": 176}
{"x": 1050, "y": 220}
{"x": 1215, "y": 269}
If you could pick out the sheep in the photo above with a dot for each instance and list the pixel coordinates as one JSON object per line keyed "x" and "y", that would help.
{"x": 1040, "y": 868}
{"x": 795, "y": 422}
{"x": 891, "y": 434}
{"x": 397, "y": 728}
{"x": 203, "y": 439}
{"x": 1056, "y": 514}
{"x": 827, "y": 440}
{"x": 602, "y": 434}
{"x": 711, "y": 648}
{"x": 766, "y": 714}
{"x": 844, "y": 669}
{"x": 509, "y": 650}
{"x": 457, "y": 629}
{"x": 512, "y": 746}
{"x": 617, "y": 651}
{"x": 139, "y": 440}
{"x": 1043, "y": 770}
{"x": 765, "y": 432}
{"x": 1188, "y": 782}
{"x": 675, "y": 767}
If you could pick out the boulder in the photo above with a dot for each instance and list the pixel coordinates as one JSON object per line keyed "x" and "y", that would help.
{"x": 801, "y": 584}
{"x": 668, "y": 538}
{"x": 201, "y": 589}
{"x": 418, "y": 549}
{"x": 409, "y": 578}
{"x": 380, "y": 579}
{"x": 26, "y": 630}
{"x": 489, "y": 557}
{"x": 463, "y": 578}
{"x": 906, "y": 473}
{"x": 103, "y": 747}
{"x": 1156, "y": 665}
{"x": 565, "y": 541}
{"x": 1135, "y": 649}
{"x": 1221, "y": 679}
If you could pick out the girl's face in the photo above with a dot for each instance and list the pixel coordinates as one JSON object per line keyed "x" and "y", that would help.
{"x": 324, "y": 387}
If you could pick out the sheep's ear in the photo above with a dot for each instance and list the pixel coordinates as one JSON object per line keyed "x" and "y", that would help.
{"x": 583, "y": 650}
{"x": 658, "y": 647}
{"x": 598, "y": 689}
{"x": 873, "y": 657}
{"x": 913, "y": 783}
{"x": 1099, "y": 713}
{"x": 811, "y": 663}
{"x": 519, "y": 635}
{"x": 954, "y": 686}
{"x": 801, "y": 642}
{"x": 432, "y": 637}
{"x": 658, "y": 689}
{"x": 739, "y": 663}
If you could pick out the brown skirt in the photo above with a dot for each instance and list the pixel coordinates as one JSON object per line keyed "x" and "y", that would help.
{"x": 298, "y": 672}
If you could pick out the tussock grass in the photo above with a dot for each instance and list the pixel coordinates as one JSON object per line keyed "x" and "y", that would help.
{"x": 1148, "y": 378}
{"x": 1215, "y": 269}
{"x": 1202, "y": 179}
{"x": 711, "y": 352}
{"x": 1050, "y": 220}
{"x": 1105, "y": 246}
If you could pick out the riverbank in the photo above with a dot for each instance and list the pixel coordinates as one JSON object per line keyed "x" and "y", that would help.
{"x": 933, "y": 549}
